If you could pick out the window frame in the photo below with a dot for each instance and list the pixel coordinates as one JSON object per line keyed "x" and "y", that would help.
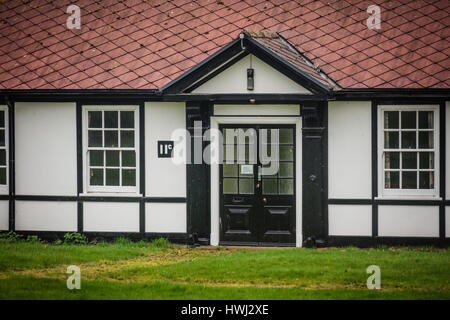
{"x": 407, "y": 193}
{"x": 4, "y": 188}
{"x": 133, "y": 190}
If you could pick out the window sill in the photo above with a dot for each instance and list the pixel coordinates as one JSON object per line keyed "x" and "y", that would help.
{"x": 413, "y": 198}
{"x": 112, "y": 194}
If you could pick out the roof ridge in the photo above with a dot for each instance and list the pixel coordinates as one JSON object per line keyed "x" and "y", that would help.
{"x": 267, "y": 34}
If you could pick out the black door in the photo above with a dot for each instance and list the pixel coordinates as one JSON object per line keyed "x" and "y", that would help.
{"x": 257, "y": 185}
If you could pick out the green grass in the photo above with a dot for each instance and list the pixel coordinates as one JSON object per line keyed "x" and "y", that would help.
{"x": 126, "y": 270}
{"x": 23, "y": 255}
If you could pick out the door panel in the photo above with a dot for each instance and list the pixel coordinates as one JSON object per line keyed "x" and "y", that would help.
{"x": 257, "y": 196}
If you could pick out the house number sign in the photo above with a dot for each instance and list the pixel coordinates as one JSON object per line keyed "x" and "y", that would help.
{"x": 165, "y": 149}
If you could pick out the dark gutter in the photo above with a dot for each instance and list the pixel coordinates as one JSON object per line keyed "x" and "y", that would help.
{"x": 378, "y": 93}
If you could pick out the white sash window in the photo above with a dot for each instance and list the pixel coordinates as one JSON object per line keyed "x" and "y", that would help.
{"x": 408, "y": 150}
{"x": 111, "y": 140}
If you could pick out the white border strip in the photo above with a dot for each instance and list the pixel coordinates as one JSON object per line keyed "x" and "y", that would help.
{"x": 215, "y": 196}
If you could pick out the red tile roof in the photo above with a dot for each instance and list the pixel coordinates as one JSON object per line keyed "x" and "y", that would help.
{"x": 279, "y": 46}
{"x": 145, "y": 44}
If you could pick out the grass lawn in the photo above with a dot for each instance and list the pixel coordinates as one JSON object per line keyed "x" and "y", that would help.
{"x": 125, "y": 270}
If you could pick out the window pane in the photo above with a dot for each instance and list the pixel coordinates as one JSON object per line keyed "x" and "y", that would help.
{"x": 408, "y": 140}
{"x": 111, "y": 139}
{"x": 3, "y": 176}
{"x": 127, "y": 119}
{"x": 230, "y": 153}
{"x": 392, "y": 160}
{"x": 246, "y": 186}
{"x": 426, "y": 139}
{"x": 230, "y": 186}
{"x": 2, "y": 137}
{"x": 409, "y": 160}
{"x": 2, "y": 157}
{"x": 112, "y": 177}
{"x": 247, "y": 153}
{"x": 2, "y": 118}
{"x": 392, "y": 180}
{"x": 111, "y": 119}
{"x": 128, "y": 177}
{"x": 426, "y": 180}
{"x": 270, "y": 135}
{"x": 96, "y": 158}
{"x": 286, "y": 169}
{"x": 127, "y": 139}
{"x": 409, "y": 120}
{"x": 269, "y": 150}
{"x": 286, "y": 153}
{"x": 409, "y": 180}
{"x": 269, "y": 186}
{"x": 94, "y": 119}
{"x": 128, "y": 158}
{"x": 112, "y": 159}
{"x": 229, "y": 136}
{"x": 230, "y": 170}
{"x": 96, "y": 177}
{"x": 426, "y": 119}
{"x": 246, "y": 170}
{"x": 426, "y": 160}
{"x": 270, "y": 169}
{"x": 286, "y": 186}
{"x": 95, "y": 138}
{"x": 286, "y": 136}
{"x": 391, "y": 140}
{"x": 391, "y": 119}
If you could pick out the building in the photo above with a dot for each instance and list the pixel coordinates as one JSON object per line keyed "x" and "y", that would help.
{"x": 87, "y": 118}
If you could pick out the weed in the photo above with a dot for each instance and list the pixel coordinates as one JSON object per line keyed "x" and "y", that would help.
{"x": 75, "y": 238}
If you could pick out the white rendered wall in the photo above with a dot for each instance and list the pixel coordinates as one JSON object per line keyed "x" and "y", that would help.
{"x": 257, "y": 109}
{"x": 165, "y": 217}
{"x": 266, "y": 78}
{"x": 4, "y": 215}
{"x": 350, "y": 220}
{"x": 111, "y": 216}
{"x": 408, "y": 221}
{"x": 46, "y": 215}
{"x": 46, "y": 148}
{"x": 349, "y": 149}
{"x": 447, "y": 149}
{"x": 163, "y": 177}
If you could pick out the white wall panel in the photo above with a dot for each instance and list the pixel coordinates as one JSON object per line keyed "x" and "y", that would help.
{"x": 267, "y": 80}
{"x": 408, "y": 221}
{"x": 350, "y": 220}
{"x": 111, "y": 216}
{"x": 4, "y": 215}
{"x": 447, "y": 222}
{"x": 164, "y": 178}
{"x": 165, "y": 217}
{"x": 447, "y": 149}
{"x": 46, "y": 150}
{"x": 46, "y": 215}
{"x": 349, "y": 149}
{"x": 260, "y": 109}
